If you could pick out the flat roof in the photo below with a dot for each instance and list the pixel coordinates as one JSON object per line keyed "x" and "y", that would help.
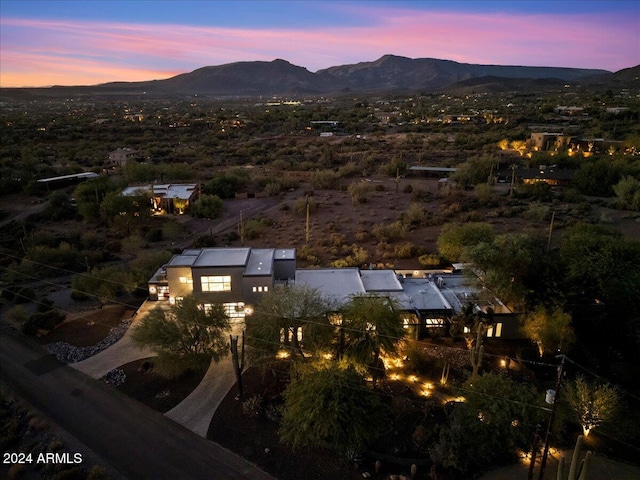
{"x": 171, "y": 190}
{"x": 425, "y": 295}
{"x": 69, "y": 177}
{"x": 380, "y": 281}
{"x": 260, "y": 262}
{"x": 130, "y": 191}
{"x": 337, "y": 284}
{"x": 285, "y": 254}
{"x": 418, "y": 168}
{"x": 223, "y": 257}
{"x": 182, "y": 260}
{"x": 166, "y": 190}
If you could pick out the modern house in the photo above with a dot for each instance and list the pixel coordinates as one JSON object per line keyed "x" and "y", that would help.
{"x": 238, "y": 277}
{"x": 169, "y": 198}
{"x": 235, "y": 277}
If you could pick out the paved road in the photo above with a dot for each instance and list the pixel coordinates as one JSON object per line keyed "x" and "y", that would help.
{"x": 136, "y": 441}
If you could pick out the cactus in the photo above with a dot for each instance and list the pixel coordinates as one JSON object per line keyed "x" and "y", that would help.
{"x": 573, "y": 470}
{"x": 476, "y": 353}
{"x": 444, "y": 377}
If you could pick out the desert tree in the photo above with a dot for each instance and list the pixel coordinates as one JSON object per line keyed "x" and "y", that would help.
{"x": 550, "y": 330}
{"x": 207, "y": 206}
{"x": 591, "y": 404}
{"x": 368, "y": 326}
{"x": 329, "y": 405}
{"x": 497, "y": 418}
{"x": 454, "y": 240}
{"x": 293, "y": 318}
{"x": 187, "y": 336}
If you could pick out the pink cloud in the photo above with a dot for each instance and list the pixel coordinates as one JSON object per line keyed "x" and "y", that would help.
{"x": 119, "y": 51}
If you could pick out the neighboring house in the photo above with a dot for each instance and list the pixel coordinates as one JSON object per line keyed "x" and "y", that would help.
{"x": 169, "y": 198}
{"x": 438, "y": 172}
{"x": 121, "y": 156}
{"x": 238, "y": 277}
{"x": 550, "y": 174}
{"x": 548, "y": 141}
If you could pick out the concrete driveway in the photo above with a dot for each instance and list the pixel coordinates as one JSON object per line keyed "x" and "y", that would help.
{"x": 194, "y": 412}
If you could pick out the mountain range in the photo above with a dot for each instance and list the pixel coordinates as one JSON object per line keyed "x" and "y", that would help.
{"x": 388, "y": 74}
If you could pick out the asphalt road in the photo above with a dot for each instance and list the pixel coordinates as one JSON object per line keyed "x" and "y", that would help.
{"x": 135, "y": 440}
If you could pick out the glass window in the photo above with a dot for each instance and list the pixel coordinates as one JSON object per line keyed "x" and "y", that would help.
{"x": 216, "y": 283}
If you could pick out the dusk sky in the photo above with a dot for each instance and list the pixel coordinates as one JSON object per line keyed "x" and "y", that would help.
{"x": 78, "y": 42}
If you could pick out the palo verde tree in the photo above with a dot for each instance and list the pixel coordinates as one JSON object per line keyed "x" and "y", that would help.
{"x": 550, "y": 330}
{"x": 591, "y": 404}
{"x": 329, "y": 405}
{"x": 293, "y": 318}
{"x": 369, "y": 325}
{"x": 186, "y": 336}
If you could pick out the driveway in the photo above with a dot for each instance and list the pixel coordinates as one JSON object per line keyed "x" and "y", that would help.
{"x": 135, "y": 440}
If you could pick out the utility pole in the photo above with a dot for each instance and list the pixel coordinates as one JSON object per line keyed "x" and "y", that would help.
{"x": 534, "y": 451}
{"x": 513, "y": 179}
{"x": 306, "y": 229}
{"x": 238, "y": 362}
{"x": 547, "y": 437}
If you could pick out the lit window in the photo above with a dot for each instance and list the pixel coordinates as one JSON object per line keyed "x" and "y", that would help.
{"x": 185, "y": 279}
{"x": 255, "y": 289}
{"x": 266, "y": 289}
{"x": 216, "y": 283}
{"x": 232, "y": 309}
{"x": 498, "y": 329}
{"x": 434, "y": 322}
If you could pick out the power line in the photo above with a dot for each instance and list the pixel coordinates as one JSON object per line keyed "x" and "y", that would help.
{"x": 604, "y": 380}
{"x": 111, "y": 300}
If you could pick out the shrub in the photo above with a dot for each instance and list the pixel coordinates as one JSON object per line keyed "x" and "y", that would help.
{"x": 415, "y": 215}
{"x": 207, "y": 206}
{"x": 406, "y": 250}
{"x": 308, "y": 254}
{"x": 538, "y": 212}
{"x": 300, "y": 205}
{"x": 357, "y": 258}
{"x": 359, "y": 192}
{"x": 325, "y": 180}
{"x": 430, "y": 260}
{"x": 389, "y": 232}
{"x": 42, "y": 321}
{"x": 272, "y": 189}
{"x": 252, "y": 406}
{"x": 204, "y": 240}
{"x": 78, "y": 296}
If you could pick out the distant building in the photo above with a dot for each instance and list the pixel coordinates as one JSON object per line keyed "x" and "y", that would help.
{"x": 65, "y": 180}
{"x": 550, "y": 174}
{"x": 548, "y": 141}
{"x": 170, "y": 197}
{"x": 120, "y": 156}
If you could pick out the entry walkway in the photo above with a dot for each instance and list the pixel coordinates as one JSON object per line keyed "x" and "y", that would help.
{"x": 194, "y": 412}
